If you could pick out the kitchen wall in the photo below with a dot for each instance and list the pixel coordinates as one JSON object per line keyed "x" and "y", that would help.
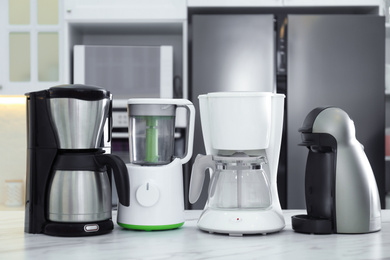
{"x": 12, "y": 149}
{"x": 30, "y": 45}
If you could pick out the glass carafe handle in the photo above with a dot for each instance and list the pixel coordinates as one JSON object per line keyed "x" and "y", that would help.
{"x": 201, "y": 164}
{"x": 190, "y": 127}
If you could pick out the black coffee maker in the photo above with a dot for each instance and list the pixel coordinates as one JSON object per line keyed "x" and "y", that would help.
{"x": 68, "y": 189}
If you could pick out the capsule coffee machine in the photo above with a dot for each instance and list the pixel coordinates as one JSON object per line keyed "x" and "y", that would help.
{"x": 340, "y": 188}
{"x": 68, "y": 189}
{"x": 155, "y": 174}
{"x": 242, "y": 134}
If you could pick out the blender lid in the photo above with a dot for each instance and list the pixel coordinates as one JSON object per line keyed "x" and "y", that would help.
{"x": 151, "y": 107}
{"x": 79, "y": 91}
{"x": 239, "y": 94}
{"x": 151, "y": 110}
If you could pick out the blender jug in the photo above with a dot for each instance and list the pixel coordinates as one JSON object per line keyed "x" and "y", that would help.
{"x": 152, "y": 130}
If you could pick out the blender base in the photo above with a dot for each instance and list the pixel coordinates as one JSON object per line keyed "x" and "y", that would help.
{"x": 240, "y": 222}
{"x": 156, "y": 198}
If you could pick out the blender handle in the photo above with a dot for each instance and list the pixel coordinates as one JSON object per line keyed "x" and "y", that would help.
{"x": 121, "y": 176}
{"x": 190, "y": 126}
{"x": 201, "y": 164}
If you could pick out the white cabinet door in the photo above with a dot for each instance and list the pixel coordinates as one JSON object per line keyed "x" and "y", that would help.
{"x": 124, "y": 10}
{"x": 30, "y": 45}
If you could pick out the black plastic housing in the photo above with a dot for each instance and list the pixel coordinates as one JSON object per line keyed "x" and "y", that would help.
{"x": 320, "y": 179}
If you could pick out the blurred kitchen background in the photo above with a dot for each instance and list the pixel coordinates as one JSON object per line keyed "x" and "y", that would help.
{"x": 316, "y": 52}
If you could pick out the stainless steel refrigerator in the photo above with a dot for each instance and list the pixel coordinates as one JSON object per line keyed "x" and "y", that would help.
{"x": 229, "y": 52}
{"x": 335, "y": 60}
{"x": 331, "y": 60}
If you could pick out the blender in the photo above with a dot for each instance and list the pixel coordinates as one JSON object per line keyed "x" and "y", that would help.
{"x": 155, "y": 174}
{"x": 242, "y": 133}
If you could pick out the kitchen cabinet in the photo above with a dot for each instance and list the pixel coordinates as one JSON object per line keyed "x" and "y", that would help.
{"x": 287, "y": 3}
{"x": 130, "y": 23}
{"x": 31, "y": 45}
{"x": 323, "y": 3}
{"x": 125, "y": 10}
{"x": 234, "y": 3}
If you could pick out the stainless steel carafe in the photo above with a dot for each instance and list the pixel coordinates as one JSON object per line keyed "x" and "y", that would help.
{"x": 79, "y": 125}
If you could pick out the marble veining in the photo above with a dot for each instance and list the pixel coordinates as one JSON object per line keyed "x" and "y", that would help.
{"x": 189, "y": 242}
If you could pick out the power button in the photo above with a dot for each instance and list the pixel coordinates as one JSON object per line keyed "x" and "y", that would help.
{"x": 236, "y": 219}
{"x": 91, "y": 228}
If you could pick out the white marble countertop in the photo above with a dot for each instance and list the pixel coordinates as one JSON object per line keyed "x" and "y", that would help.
{"x": 189, "y": 242}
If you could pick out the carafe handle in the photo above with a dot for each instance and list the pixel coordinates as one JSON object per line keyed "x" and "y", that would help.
{"x": 120, "y": 175}
{"x": 201, "y": 164}
{"x": 190, "y": 127}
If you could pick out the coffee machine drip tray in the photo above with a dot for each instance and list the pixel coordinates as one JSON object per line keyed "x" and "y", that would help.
{"x": 311, "y": 225}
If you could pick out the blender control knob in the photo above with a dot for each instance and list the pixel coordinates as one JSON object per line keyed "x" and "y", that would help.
{"x": 147, "y": 194}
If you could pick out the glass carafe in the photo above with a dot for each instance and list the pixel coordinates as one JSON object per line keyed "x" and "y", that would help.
{"x": 236, "y": 182}
{"x": 239, "y": 184}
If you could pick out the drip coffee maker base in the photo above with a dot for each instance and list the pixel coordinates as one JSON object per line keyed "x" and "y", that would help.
{"x": 241, "y": 222}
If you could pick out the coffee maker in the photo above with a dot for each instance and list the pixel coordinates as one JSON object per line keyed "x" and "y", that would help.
{"x": 68, "y": 185}
{"x": 340, "y": 188}
{"x": 242, "y": 134}
{"x": 155, "y": 174}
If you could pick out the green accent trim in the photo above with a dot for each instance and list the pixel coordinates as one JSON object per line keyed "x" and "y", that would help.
{"x": 151, "y": 227}
{"x": 151, "y": 139}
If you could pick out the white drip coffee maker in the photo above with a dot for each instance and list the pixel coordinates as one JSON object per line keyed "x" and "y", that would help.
{"x": 242, "y": 133}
